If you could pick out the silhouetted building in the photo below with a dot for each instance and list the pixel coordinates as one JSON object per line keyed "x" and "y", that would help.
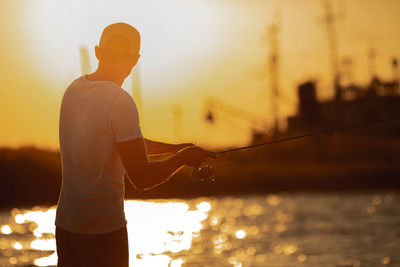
{"x": 357, "y": 104}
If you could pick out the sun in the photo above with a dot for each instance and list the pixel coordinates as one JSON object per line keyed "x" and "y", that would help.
{"x": 176, "y": 37}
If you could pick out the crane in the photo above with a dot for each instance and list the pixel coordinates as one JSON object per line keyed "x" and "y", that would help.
{"x": 258, "y": 125}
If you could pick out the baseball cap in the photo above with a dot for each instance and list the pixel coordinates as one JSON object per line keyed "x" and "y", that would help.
{"x": 123, "y": 31}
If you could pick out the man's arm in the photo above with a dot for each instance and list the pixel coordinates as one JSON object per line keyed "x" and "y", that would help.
{"x": 154, "y": 147}
{"x": 144, "y": 174}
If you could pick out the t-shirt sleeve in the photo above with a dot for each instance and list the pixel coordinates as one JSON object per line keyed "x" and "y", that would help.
{"x": 124, "y": 119}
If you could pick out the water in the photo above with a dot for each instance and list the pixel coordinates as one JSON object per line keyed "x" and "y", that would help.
{"x": 299, "y": 229}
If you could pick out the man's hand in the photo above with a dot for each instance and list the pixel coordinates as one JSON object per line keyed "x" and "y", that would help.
{"x": 144, "y": 174}
{"x": 194, "y": 156}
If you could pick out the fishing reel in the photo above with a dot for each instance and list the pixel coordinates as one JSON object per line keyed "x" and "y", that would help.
{"x": 203, "y": 173}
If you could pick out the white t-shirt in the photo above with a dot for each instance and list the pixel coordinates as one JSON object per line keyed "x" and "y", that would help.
{"x": 94, "y": 116}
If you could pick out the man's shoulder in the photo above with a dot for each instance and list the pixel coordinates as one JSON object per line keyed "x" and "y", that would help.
{"x": 111, "y": 93}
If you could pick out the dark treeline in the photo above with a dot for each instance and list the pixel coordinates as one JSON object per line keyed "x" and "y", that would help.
{"x": 32, "y": 176}
{"x": 29, "y": 176}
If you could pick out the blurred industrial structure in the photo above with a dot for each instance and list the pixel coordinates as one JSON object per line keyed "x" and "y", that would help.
{"x": 353, "y": 104}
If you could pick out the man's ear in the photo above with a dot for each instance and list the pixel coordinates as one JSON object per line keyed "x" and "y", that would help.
{"x": 97, "y": 52}
{"x": 135, "y": 60}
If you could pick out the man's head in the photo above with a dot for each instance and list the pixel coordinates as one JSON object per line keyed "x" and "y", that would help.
{"x": 118, "y": 49}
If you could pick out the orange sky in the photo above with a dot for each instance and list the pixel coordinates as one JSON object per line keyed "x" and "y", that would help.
{"x": 191, "y": 49}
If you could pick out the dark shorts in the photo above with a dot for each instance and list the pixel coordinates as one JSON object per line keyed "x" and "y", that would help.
{"x": 110, "y": 249}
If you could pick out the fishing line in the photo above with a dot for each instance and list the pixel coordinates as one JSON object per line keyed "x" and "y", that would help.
{"x": 206, "y": 173}
{"x": 329, "y": 131}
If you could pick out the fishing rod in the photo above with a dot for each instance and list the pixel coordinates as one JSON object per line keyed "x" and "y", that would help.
{"x": 329, "y": 131}
{"x": 206, "y": 172}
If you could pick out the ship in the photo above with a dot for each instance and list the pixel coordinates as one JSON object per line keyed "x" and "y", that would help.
{"x": 351, "y": 105}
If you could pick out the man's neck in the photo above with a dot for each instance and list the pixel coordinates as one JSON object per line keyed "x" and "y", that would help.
{"x": 100, "y": 75}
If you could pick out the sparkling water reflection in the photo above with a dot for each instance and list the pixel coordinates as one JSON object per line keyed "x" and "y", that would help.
{"x": 155, "y": 228}
{"x": 273, "y": 230}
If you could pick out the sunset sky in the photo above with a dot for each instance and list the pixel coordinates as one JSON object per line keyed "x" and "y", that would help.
{"x": 191, "y": 50}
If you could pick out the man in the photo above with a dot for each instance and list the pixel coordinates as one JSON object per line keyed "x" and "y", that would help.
{"x": 100, "y": 137}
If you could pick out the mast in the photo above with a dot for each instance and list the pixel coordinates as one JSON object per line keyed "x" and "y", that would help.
{"x": 330, "y": 19}
{"x": 85, "y": 60}
{"x": 273, "y": 62}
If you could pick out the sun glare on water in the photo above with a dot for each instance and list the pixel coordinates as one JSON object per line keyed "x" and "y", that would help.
{"x": 150, "y": 242}
{"x": 227, "y": 231}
